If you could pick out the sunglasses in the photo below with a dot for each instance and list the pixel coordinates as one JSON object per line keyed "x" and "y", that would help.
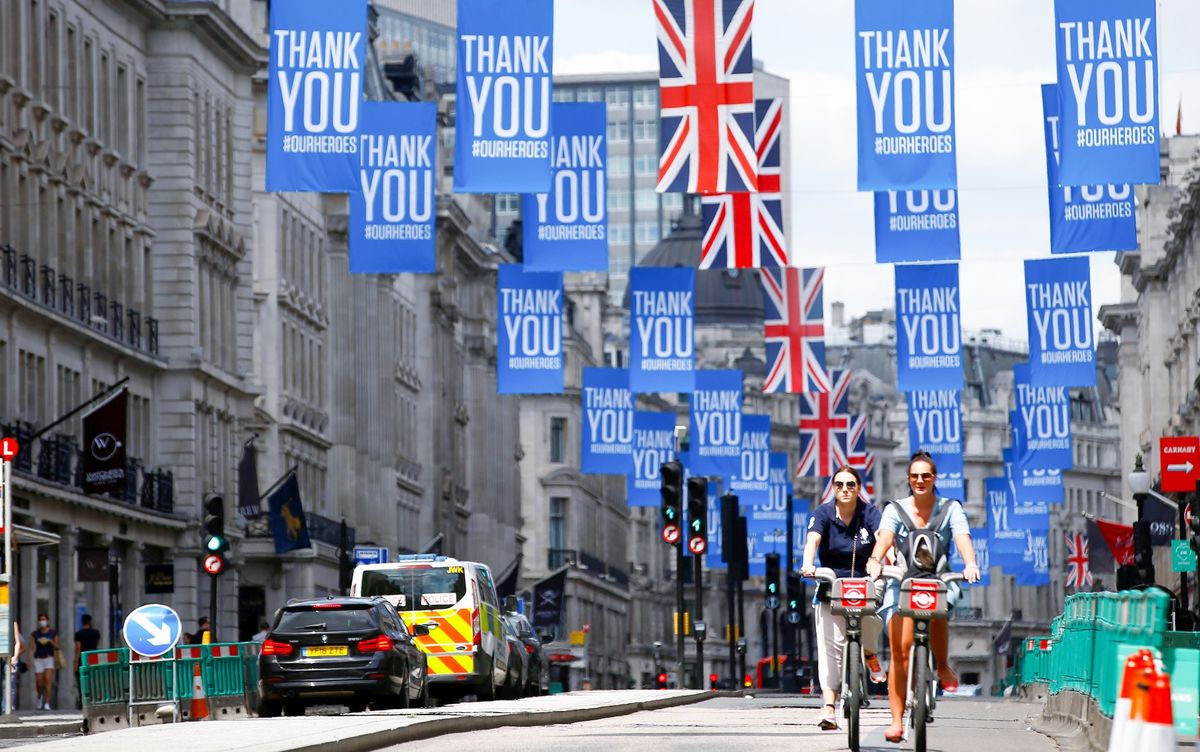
{"x": 920, "y": 476}
{"x": 847, "y": 484}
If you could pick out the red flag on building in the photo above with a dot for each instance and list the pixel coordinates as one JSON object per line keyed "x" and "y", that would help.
{"x": 1119, "y": 540}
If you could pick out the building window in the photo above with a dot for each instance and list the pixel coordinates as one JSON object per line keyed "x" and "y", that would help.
{"x": 558, "y": 531}
{"x": 558, "y": 439}
{"x": 645, "y": 165}
{"x": 618, "y": 200}
{"x": 508, "y": 203}
{"x": 672, "y": 200}
{"x": 645, "y": 96}
{"x": 645, "y": 198}
{"x": 647, "y": 232}
{"x": 617, "y": 96}
{"x": 590, "y": 94}
{"x": 618, "y": 233}
{"x": 619, "y": 167}
{"x": 645, "y": 130}
{"x": 563, "y": 94}
{"x": 618, "y": 130}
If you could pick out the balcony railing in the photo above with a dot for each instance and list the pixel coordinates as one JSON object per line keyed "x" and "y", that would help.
{"x": 320, "y": 528}
{"x": 590, "y": 564}
{"x": 59, "y": 460}
{"x": 60, "y": 293}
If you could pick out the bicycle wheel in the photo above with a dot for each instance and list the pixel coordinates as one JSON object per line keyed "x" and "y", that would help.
{"x": 920, "y": 688}
{"x": 853, "y": 692}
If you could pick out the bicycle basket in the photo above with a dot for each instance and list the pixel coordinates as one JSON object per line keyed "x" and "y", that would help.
{"x": 852, "y": 595}
{"x": 923, "y": 598}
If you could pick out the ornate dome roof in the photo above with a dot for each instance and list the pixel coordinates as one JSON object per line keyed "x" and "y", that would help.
{"x": 723, "y": 296}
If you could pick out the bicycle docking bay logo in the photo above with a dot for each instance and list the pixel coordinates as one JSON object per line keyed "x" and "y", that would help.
{"x": 923, "y": 596}
{"x": 854, "y": 593}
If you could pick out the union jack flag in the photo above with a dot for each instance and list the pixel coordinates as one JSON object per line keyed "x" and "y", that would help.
{"x": 824, "y": 422}
{"x": 745, "y": 230}
{"x": 1079, "y": 574}
{"x": 706, "y": 94}
{"x": 858, "y": 458}
{"x": 794, "y": 330}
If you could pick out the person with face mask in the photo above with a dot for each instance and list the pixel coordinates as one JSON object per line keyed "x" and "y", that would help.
{"x": 43, "y": 647}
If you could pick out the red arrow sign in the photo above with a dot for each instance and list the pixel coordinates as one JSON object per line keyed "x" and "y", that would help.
{"x": 8, "y": 449}
{"x": 1179, "y": 460}
{"x": 670, "y": 534}
{"x": 697, "y": 545}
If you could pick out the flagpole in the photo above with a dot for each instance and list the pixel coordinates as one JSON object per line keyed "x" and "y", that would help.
{"x": 42, "y": 432}
{"x": 279, "y": 482}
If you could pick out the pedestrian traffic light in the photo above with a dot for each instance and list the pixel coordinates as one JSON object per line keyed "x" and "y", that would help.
{"x": 772, "y": 561}
{"x": 697, "y": 492}
{"x": 794, "y": 589}
{"x": 660, "y": 681}
{"x": 671, "y": 489}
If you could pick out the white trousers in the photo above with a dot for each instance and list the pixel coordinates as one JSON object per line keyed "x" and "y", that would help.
{"x": 831, "y": 641}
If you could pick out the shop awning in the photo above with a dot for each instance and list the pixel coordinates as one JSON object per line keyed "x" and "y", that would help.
{"x": 30, "y": 536}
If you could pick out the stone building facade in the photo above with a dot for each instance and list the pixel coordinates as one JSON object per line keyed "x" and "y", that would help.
{"x": 1159, "y": 356}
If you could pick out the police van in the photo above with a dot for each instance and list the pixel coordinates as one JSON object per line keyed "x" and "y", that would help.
{"x": 466, "y": 645}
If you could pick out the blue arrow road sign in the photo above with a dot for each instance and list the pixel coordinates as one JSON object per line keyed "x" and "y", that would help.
{"x": 370, "y": 555}
{"x": 152, "y": 630}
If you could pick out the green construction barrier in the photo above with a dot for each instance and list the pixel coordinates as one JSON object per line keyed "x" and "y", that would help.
{"x": 226, "y": 669}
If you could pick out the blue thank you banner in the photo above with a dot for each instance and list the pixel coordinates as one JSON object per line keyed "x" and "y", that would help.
{"x": 935, "y": 425}
{"x": 1043, "y": 418}
{"x": 607, "y": 445}
{"x": 530, "y": 357}
{"x": 392, "y": 210}
{"x": 1107, "y": 90}
{"x": 1034, "y": 569}
{"x": 928, "y": 328}
{"x": 716, "y": 533}
{"x": 904, "y": 65}
{"x": 502, "y": 127}
{"x": 715, "y": 432}
{"x": 1005, "y": 540}
{"x": 566, "y": 229}
{"x": 314, "y": 94}
{"x": 916, "y": 226}
{"x": 766, "y": 532}
{"x": 752, "y": 481}
{"x": 653, "y": 444}
{"x": 979, "y": 541}
{"x": 662, "y": 347}
{"x": 1058, "y": 300}
{"x": 1086, "y": 217}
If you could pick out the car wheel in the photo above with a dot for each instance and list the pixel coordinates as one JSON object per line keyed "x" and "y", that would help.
{"x": 293, "y": 708}
{"x": 357, "y": 705}
{"x": 425, "y": 701}
{"x": 269, "y": 708}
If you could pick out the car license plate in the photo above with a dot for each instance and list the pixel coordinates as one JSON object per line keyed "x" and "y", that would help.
{"x": 326, "y": 651}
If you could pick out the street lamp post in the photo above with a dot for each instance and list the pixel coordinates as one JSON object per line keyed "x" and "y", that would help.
{"x": 1139, "y": 486}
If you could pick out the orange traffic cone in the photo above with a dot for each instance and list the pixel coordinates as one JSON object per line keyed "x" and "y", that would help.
{"x": 199, "y": 709}
{"x": 1138, "y": 667}
{"x": 1153, "y": 715}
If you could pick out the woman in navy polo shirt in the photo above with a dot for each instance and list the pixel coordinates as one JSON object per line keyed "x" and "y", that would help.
{"x": 843, "y": 532}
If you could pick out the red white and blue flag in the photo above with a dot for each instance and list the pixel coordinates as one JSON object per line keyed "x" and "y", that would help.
{"x": 858, "y": 458}
{"x": 706, "y": 92}
{"x": 1079, "y": 574}
{"x": 794, "y": 330}
{"x": 824, "y": 423}
{"x": 745, "y": 230}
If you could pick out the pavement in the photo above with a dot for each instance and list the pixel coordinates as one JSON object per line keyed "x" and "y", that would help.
{"x": 30, "y": 724}
{"x": 353, "y": 732}
{"x": 767, "y": 722}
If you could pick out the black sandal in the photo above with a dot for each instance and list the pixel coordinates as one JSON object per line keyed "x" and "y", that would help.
{"x": 829, "y": 722}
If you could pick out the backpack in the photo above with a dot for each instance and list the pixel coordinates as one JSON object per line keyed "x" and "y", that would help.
{"x": 923, "y": 552}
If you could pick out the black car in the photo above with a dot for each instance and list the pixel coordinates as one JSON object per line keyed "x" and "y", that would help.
{"x": 518, "y": 662}
{"x": 537, "y": 670}
{"x": 353, "y": 651}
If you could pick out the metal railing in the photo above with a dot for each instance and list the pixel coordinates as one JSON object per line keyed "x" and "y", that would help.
{"x": 590, "y": 564}
{"x": 61, "y": 294}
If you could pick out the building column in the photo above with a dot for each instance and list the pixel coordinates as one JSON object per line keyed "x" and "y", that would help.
{"x": 133, "y": 576}
{"x": 101, "y": 603}
{"x": 27, "y": 593}
{"x": 66, "y": 692}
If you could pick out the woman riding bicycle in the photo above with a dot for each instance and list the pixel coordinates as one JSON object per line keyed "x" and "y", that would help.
{"x": 843, "y": 531}
{"x": 922, "y": 507}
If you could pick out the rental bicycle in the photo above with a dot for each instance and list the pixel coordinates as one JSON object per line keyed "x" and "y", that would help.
{"x": 922, "y": 599}
{"x": 853, "y": 598}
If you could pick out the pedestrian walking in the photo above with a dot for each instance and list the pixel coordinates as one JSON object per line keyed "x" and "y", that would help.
{"x": 197, "y": 637}
{"x": 46, "y": 657}
{"x": 87, "y": 638}
{"x": 264, "y": 629}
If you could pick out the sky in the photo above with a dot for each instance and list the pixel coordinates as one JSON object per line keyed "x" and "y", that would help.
{"x": 1004, "y": 51}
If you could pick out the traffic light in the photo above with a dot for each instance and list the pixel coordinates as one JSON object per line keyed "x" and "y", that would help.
{"x": 214, "y": 525}
{"x": 712, "y": 681}
{"x": 660, "y": 681}
{"x": 772, "y": 561}
{"x": 697, "y": 491}
{"x": 671, "y": 489}
{"x": 794, "y": 588}
{"x": 1143, "y": 561}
